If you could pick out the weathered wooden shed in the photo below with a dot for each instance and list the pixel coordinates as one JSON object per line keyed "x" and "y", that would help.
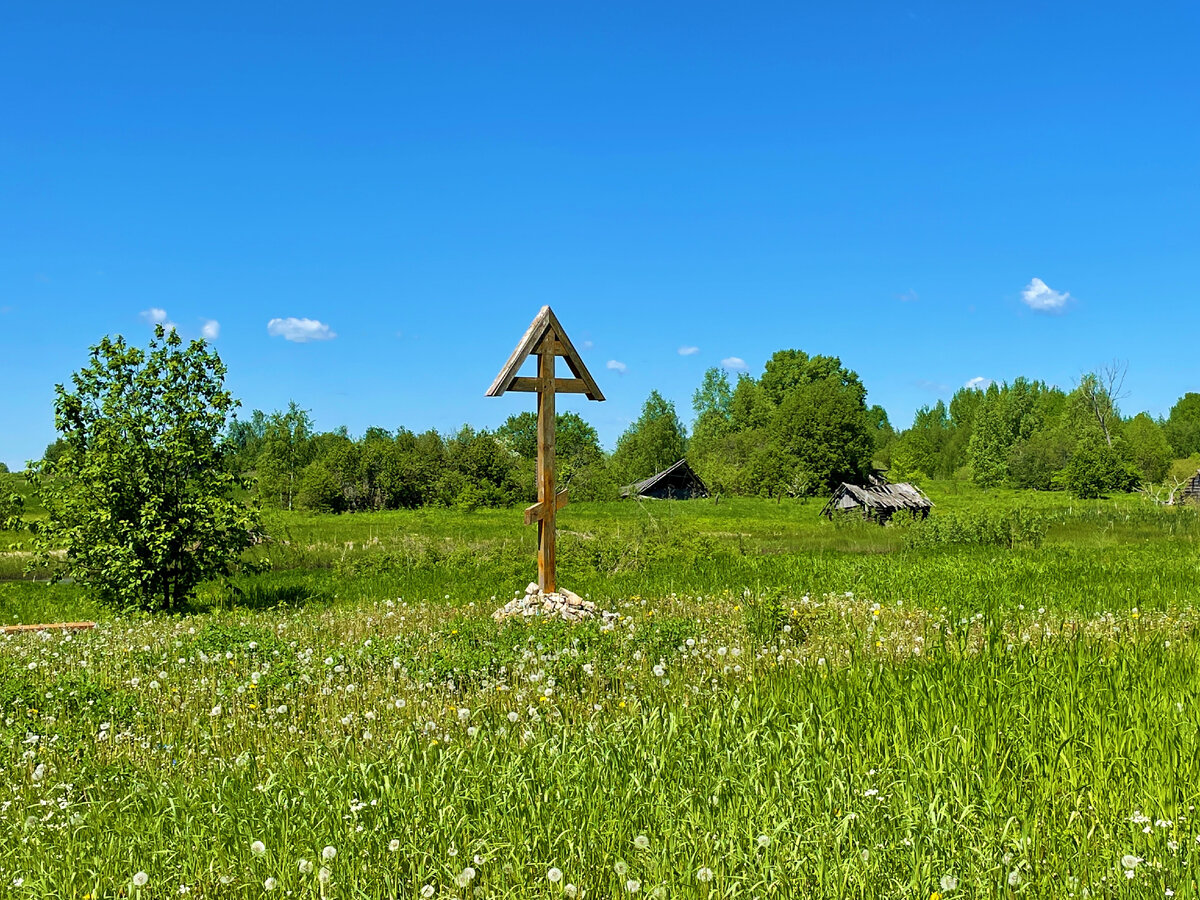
{"x": 1190, "y": 492}
{"x": 879, "y": 499}
{"x": 677, "y": 482}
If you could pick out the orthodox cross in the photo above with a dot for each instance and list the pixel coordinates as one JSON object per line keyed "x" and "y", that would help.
{"x": 546, "y": 340}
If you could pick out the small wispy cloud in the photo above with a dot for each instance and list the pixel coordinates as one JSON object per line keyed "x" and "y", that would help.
{"x": 909, "y": 296}
{"x": 211, "y": 329}
{"x": 1040, "y": 296}
{"x": 734, "y": 362}
{"x": 617, "y": 366}
{"x": 688, "y": 351}
{"x": 157, "y": 316}
{"x": 979, "y": 383}
{"x": 935, "y": 386}
{"x": 586, "y": 345}
{"x": 300, "y": 331}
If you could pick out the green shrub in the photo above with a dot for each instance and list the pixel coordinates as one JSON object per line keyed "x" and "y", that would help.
{"x": 984, "y": 528}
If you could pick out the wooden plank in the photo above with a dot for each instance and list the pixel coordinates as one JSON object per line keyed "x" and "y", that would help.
{"x": 545, "y": 474}
{"x": 561, "y": 385}
{"x": 574, "y": 360}
{"x": 529, "y": 341}
{"x": 55, "y": 626}
{"x": 534, "y": 513}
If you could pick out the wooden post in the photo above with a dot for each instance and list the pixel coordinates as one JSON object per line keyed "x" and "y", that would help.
{"x": 546, "y": 340}
{"x": 545, "y": 466}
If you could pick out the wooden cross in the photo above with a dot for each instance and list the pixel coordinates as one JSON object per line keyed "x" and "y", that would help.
{"x": 546, "y": 340}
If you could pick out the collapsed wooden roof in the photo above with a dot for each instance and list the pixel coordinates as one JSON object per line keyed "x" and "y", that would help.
{"x": 879, "y": 495}
{"x": 675, "y": 480}
{"x": 1191, "y": 488}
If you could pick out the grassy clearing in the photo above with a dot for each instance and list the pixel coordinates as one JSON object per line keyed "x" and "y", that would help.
{"x": 794, "y": 716}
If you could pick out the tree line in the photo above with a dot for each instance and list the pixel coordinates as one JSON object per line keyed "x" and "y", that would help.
{"x": 1027, "y": 434}
{"x": 798, "y": 429}
{"x": 143, "y": 489}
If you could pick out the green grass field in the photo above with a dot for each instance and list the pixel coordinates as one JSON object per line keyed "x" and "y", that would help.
{"x": 785, "y": 708}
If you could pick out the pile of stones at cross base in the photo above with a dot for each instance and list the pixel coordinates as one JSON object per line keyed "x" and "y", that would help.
{"x": 562, "y": 604}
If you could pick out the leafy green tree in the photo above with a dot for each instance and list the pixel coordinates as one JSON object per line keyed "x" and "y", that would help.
{"x": 576, "y": 443}
{"x": 12, "y": 506}
{"x": 1147, "y": 446}
{"x": 1096, "y": 469}
{"x": 285, "y": 450}
{"x": 320, "y": 489}
{"x": 3, "y": 468}
{"x": 243, "y": 440}
{"x": 53, "y": 451}
{"x": 1036, "y": 462}
{"x": 749, "y": 407}
{"x": 480, "y": 472}
{"x": 714, "y": 394}
{"x": 821, "y": 431}
{"x": 991, "y": 439}
{"x": 653, "y": 442}
{"x": 140, "y": 498}
{"x": 1182, "y": 427}
{"x": 881, "y": 429}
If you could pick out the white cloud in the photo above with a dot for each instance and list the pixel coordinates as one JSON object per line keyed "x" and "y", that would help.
{"x": 617, "y": 365}
{"x": 587, "y": 345}
{"x": 211, "y": 329}
{"x": 979, "y": 383}
{"x": 908, "y": 297}
{"x": 688, "y": 351}
{"x": 1040, "y": 296}
{"x": 157, "y": 316}
{"x": 300, "y": 331}
{"x": 734, "y": 362}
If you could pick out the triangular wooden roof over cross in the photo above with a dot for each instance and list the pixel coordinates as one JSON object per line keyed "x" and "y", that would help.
{"x": 545, "y": 325}
{"x": 546, "y": 340}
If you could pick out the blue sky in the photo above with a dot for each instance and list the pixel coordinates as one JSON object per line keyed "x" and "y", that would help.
{"x": 876, "y": 181}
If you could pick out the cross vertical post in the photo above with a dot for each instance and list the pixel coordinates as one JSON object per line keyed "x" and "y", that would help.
{"x": 545, "y": 466}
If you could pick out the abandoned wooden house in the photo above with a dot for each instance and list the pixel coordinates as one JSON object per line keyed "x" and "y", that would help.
{"x": 1190, "y": 492}
{"x": 678, "y": 482}
{"x": 879, "y": 499}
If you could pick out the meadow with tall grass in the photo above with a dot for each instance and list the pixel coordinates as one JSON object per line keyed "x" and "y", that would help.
{"x": 1000, "y": 702}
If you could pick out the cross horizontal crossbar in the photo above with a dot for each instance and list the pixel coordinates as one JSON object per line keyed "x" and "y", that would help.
{"x": 537, "y": 512}
{"x": 560, "y": 385}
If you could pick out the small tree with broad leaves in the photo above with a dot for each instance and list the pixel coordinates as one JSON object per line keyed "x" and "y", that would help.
{"x": 139, "y": 498}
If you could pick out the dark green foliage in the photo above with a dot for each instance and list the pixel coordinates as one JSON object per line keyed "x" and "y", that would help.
{"x": 1096, "y": 470}
{"x": 1035, "y": 462}
{"x": 286, "y": 448}
{"x": 1182, "y": 427}
{"x": 821, "y": 434}
{"x": 140, "y": 497}
{"x": 652, "y": 443}
{"x": 581, "y": 464}
{"x": 11, "y": 508}
{"x": 1147, "y": 447}
{"x": 796, "y": 432}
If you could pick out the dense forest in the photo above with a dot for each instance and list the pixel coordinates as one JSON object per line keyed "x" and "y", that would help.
{"x": 799, "y": 428}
